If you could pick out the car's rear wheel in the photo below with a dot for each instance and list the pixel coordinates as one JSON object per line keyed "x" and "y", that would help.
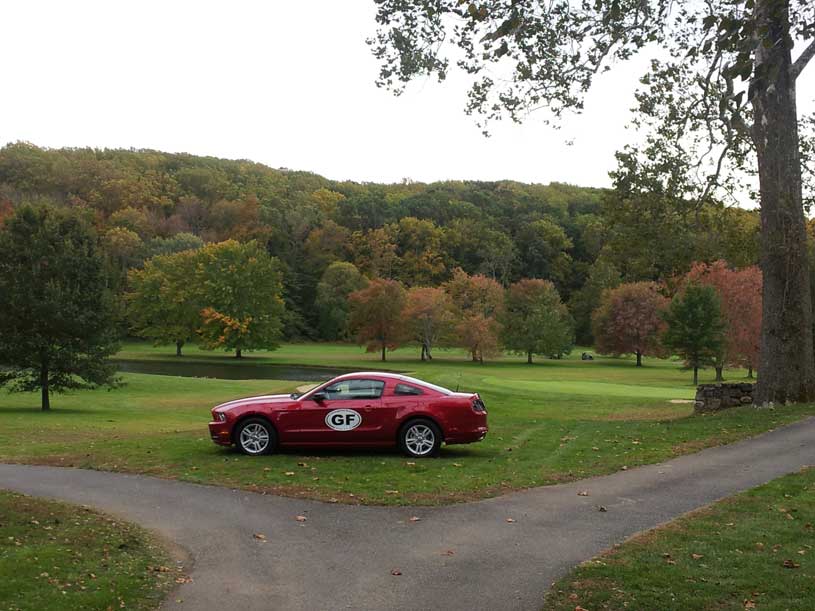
{"x": 420, "y": 438}
{"x": 255, "y": 437}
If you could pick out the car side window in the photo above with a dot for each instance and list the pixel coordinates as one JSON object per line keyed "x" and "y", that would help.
{"x": 407, "y": 389}
{"x": 354, "y": 389}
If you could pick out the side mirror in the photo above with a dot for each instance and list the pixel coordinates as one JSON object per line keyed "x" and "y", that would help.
{"x": 319, "y": 397}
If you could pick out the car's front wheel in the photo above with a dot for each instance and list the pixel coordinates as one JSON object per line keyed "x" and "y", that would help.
{"x": 256, "y": 436}
{"x": 420, "y": 438}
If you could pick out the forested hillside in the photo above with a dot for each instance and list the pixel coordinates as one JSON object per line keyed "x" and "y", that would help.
{"x": 583, "y": 240}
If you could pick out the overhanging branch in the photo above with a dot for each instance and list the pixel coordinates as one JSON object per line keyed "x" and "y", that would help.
{"x": 802, "y": 60}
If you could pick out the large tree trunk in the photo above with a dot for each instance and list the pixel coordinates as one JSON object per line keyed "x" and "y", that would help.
{"x": 639, "y": 358}
{"x": 719, "y": 376}
{"x": 529, "y": 358}
{"x": 750, "y": 371}
{"x": 695, "y": 376}
{"x": 383, "y": 351}
{"x": 786, "y": 359}
{"x": 46, "y": 394}
{"x": 424, "y": 352}
{"x": 238, "y": 354}
{"x": 178, "y": 345}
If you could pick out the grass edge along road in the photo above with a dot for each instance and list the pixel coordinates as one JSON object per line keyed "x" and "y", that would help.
{"x": 554, "y": 421}
{"x": 754, "y": 550}
{"x": 56, "y": 556}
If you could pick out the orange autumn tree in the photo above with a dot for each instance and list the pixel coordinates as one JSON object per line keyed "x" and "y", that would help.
{"x": 628, "y": 320}
{"x": 479, "y": 302}
{"x": 239, "y": 288}
{"x": 739, "y": 291}
{"x": 428, "y": 316}
{"x": 376, "y": 315}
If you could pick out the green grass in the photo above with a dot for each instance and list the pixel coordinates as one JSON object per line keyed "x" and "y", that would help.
{"x": 731, "y": 555}
{"x": 554, "y": 421}
{"x": 62, "y": 557}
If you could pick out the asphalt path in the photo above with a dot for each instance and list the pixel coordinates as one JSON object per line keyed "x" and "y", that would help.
{"x": 499, "y": 553}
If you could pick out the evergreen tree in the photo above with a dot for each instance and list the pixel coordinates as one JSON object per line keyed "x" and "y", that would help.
{"x": 57, "y": 313}
{"x": 695, "y": 327}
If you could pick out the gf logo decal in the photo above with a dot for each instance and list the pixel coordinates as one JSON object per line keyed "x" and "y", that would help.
{"x": 343, "y": 419}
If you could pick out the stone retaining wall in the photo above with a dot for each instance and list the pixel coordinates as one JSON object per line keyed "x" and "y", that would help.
{"x": 713, "y": 397}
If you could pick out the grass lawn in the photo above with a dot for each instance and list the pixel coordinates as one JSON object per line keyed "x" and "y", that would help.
{"x": 61, "y": 557}
{"x": 550, "y": 422}
{"x": 752, "y": 551}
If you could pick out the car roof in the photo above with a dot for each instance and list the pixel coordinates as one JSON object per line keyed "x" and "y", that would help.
{"x": 373, "y": 374}
{"x": 394, "y": 376}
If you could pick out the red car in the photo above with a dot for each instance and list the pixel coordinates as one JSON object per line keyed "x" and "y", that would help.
{"x": 357, "y": 409}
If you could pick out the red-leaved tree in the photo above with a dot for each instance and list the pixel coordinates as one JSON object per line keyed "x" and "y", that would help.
{"x": 376, "y": 315}
{"x": 478, "y": 301}
{"x": 428, "y": 316}
{"x": 740, "y": 295}
{"x": 628, "y": 320}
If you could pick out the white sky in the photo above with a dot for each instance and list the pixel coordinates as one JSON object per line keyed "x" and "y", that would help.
{"x": 288, "y": 84}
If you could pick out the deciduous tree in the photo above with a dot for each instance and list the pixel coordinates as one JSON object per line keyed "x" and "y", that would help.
{"x": 339, "y": 280}
{"x": 428, "y": 316}
{"x": 479, "y": 302}
{"x": 57, "y": 316}
{"x": 536, "y": 321}
{"x": 163, "y": 301}
{"x": 376, "y": 315}
{"x": 240, "y": 291}
{"x": 695, "y": 328}
{"x": 721, "y": 99}
{"x": 629, "y": 320}
{"x": 739, "y": 292}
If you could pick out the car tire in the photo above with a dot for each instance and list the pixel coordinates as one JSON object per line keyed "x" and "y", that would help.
{"x": 256, "y": 437}
{"x": 420, "y": 438}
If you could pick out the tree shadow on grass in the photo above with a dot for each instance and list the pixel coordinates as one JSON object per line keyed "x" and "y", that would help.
{"x": 54, "y": 411}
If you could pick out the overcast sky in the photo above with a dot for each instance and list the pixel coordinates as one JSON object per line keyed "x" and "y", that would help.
{"x": 288, "y": 84}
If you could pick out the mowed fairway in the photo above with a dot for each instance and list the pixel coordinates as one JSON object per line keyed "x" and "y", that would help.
{"x": 554, "y": 421}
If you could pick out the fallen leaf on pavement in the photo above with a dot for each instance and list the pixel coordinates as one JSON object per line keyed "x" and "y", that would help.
{"x": 259, "y": 536}
{"x": 510, "y": 520}
{"x": 301, "y": 518}
{"x": 583, "y": 493}
{"x": 396, "y": 572}
{"x": 415, "y": 519}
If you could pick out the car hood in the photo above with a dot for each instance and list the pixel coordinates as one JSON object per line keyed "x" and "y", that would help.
{"x": 264, "y": 399}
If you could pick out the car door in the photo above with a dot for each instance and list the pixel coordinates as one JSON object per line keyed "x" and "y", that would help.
{"x": 399, "y": 399}
{"x": 345, "y": 414}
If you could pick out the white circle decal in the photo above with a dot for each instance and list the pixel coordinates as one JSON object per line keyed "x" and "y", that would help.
{"x": 343, "y": 419}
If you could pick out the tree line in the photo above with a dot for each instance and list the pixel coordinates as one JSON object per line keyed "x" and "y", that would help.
{"x": 145, "y": 203}
{"x": 61, "y": 315}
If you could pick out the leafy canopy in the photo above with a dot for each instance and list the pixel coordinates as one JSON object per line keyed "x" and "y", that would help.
{"x": 58, "y": 320}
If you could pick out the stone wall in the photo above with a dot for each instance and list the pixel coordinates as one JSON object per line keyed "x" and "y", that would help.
{"x": 713, "y": 397}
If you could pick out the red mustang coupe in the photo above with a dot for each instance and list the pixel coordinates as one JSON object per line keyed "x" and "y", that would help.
{"x": 357, "y": 409}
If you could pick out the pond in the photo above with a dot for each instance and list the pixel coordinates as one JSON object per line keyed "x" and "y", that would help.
{"x": 187, "y": 369}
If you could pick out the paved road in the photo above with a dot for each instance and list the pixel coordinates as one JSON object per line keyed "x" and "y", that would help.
{"x": 459, "y": 557}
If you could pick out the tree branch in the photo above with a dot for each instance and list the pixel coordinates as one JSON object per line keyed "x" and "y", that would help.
{"x": 802, "y": 61}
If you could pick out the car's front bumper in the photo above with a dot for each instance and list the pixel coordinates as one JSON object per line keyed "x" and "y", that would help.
{"x": 221, "y": 433}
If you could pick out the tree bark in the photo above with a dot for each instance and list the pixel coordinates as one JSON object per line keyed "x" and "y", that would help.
{"x": 46, "y": 394}
{"x": 424, "y": 352}
{"x": 529, "y": 358}
{"x": 786, "y": 358}
{"x": 719, "y": 376}
{"x": 639, "y": 358}
{"x": 238, "y": 354}
{"x": 383, "y": 351}
{"x": 696, "y": 376}
{"x": 750, "y": 372}
{"x": 178, "y": 345}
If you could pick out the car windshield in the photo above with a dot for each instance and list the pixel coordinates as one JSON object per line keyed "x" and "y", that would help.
{"x": 440, "y": 389}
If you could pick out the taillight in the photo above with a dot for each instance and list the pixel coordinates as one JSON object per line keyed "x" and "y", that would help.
{"x": 478, "y": 405}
